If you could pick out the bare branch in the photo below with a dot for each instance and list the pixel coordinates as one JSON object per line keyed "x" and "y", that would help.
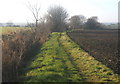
{"x": 35, "y": 9}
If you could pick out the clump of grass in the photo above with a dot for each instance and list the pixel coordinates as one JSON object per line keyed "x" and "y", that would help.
{"x": 91, "y": 69}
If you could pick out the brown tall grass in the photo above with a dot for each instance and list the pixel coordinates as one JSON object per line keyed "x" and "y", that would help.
{"x": 18, "y": 46}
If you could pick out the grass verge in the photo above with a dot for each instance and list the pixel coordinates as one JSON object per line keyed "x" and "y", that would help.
{"x": 52, "y": 64}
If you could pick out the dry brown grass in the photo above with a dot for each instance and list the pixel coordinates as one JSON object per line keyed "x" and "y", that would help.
{"x": 18, "y": 46}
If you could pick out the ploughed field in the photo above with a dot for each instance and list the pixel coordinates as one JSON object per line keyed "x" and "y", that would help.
{"x": 101, "y": 44}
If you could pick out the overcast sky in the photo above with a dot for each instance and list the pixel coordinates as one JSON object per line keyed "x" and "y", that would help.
{"x": 17, "y": 11}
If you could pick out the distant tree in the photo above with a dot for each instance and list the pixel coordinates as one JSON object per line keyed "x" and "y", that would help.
{"x": 1, "y": 24}
{"x": 119, "y": 25}
{"x": 113, "y": 26}
{"x": 57, "y": 17}
{"x": 31, "y": 25}
{"x": 16, "y": 25}
{"x": 77, "y": 21}
{"x": 35, "y": 9}
{"x": 9, "y": 24}
{"x": 92, "y": 23}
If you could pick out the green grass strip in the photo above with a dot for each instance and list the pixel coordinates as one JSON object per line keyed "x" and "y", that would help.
{"x": 52, "y": 64}
{"x": 91, "y": 69}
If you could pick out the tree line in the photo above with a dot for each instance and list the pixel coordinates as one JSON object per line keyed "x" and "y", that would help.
{"x": 57, "y": 19}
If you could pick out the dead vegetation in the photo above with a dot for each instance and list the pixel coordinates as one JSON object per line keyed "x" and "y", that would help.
{"x": 17, "y": 47}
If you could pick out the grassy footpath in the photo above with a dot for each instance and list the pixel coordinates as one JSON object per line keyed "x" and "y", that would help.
{"x": 91, "y": 69}
{"x": 61, "y": 60}
{"x": 52, "y": 64}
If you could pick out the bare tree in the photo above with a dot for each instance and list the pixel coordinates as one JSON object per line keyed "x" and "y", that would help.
{"x": 57, "y": 17}
{"x": 77, "y": 21}
{"x": 35, "y": 9}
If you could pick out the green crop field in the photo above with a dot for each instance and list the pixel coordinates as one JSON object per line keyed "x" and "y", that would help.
{"x": 7, "y": 30}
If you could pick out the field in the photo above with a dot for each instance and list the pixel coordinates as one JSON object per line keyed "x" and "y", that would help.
{"x": 10, "y": 30}
{"x": 29, "y": 56}
{"x": 61, "y": 60}
{"x": 101, "y": 44}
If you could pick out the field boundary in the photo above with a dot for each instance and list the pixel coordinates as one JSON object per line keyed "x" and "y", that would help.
{"x": 91, "y": 69}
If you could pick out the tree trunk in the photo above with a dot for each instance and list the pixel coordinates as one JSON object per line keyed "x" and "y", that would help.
{"x": 36, "y": 24}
